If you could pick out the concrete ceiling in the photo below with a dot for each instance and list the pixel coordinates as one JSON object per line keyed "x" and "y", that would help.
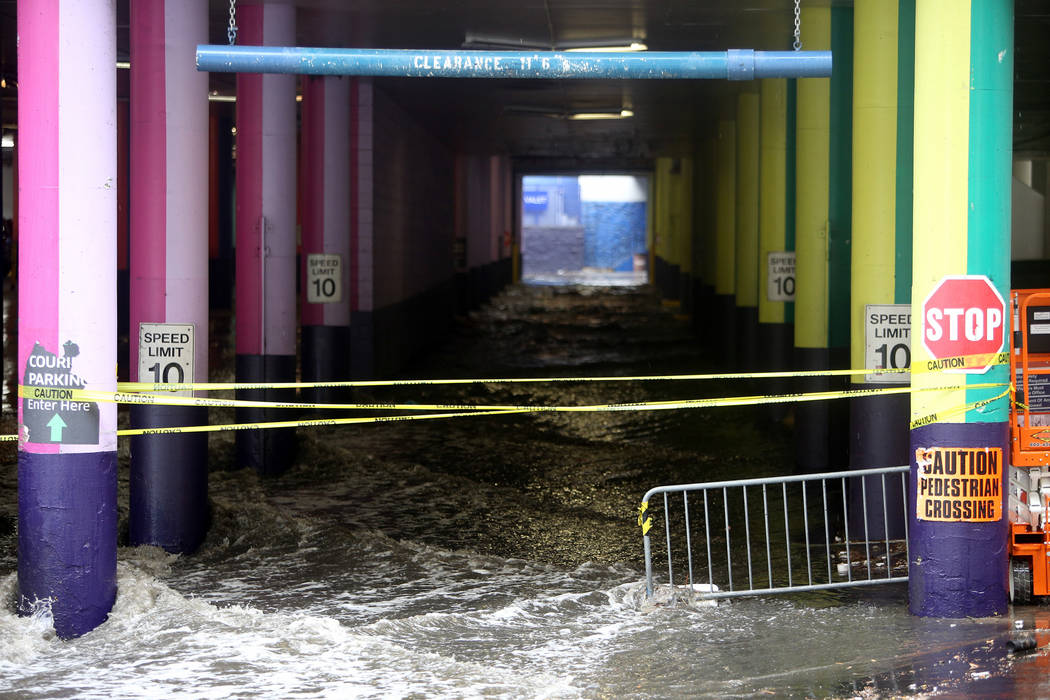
{"x": 476, "y": 115}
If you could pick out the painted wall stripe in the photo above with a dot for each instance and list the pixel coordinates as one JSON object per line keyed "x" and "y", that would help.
{"x": 725, "y": 209}
{"x": 874, "y": 170}
{"x": 249, "y": 189}
{"x": 186, "y": 256}
{"x": 312, "y": 149}
{"x": 942, "y": 107}
{"x": 364, "y": 189}
{"x": 811, "y": 243}
{"x": 278, "y": 189}
{"x": 773, "y": 189}
{"x": 990, "y": 165}
{"x": 840, "y": 189}
{"x": 336, "y": 225}
{"x": 38, "y": 120}
{"x": 87, "y": 179}
{"x": 149, "y": 207}
{"x": 790, "y": 182}
{"x": 747, "y": 202}
{"x": 905, "y": 150}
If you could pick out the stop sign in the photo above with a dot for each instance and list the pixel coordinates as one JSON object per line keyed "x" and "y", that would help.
{"x": 964, "y": 315}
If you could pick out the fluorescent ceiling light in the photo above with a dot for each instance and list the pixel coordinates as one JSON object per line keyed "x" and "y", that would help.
{"x": 633, "y": 46}
{"x": 509, "y": 43}
{"x": 8, "y": 141}
{"x": 222, "y": 98}
{"x": 124, "y": 64}
{"x": 583, "y": 116}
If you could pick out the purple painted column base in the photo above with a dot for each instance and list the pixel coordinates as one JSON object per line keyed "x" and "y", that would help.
{"x": 958, "y": 569}
{"x": 67, "y": 537}
{"x": 168, "y": 485}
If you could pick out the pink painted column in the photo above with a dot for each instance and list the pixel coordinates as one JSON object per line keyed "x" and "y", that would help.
{"x": 326, "y": 210}
{"x": 169, "y": 267}
{"x": 362, "y": 217}
{"x": 265, "y": 256}
{"x": 67, "y": 315}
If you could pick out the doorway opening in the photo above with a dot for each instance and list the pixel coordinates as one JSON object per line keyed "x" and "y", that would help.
{"x": 585, "y": 229}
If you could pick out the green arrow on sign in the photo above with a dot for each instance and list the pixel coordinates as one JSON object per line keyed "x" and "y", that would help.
{"x": 56, "y": 424}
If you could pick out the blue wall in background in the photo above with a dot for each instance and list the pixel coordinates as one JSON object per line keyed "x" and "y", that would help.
{"x": 613, "y": 232}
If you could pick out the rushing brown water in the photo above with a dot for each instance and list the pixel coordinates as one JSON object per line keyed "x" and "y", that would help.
{"x": 491, "y": 556}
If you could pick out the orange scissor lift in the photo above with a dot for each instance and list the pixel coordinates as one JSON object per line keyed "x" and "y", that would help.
{"x": 1030, "y": 449}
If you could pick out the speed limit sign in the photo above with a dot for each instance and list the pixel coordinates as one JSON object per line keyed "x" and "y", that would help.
{"x": 324, "y": 278}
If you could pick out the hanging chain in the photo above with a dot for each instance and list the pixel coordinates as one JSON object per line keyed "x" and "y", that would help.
{"x": 231, "y": 30}
{"x": 798, "y": 26}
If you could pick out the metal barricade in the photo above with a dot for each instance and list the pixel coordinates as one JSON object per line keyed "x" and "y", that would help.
{"x": 810, "y": 532}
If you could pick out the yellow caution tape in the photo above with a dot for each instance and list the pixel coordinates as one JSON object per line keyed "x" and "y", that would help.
{"x": 457, "y": 411}
{"x": 307, "y": 423}
{"x": 34, "y": 392}
{"x": 958, "y": 363}
{"x": 942, "y": 415}
{"x": 462, "y": 411}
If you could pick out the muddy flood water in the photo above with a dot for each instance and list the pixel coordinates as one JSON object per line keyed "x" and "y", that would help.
{"x": 493, "y": 556}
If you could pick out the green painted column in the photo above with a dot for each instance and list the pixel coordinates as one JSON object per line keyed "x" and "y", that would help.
{"x": 747, "y": 156}
{"x": 883, "y": 80}
{"x": 822, "y": 234}
{"x": 724, "y": 329}
{"x": 776, "y": 225}
{"x": 964, "y": 55}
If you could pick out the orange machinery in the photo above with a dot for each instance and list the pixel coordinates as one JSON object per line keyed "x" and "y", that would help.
{"x": 1030, "y": 444}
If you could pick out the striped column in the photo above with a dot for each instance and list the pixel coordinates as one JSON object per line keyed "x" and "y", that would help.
{"x": 325, "y": 257}
{"x": 169, "y": 268}
{"x": 747, "y": 230}
{"x": 362, "y": 303}
{"x": 776, "y": 224}
{"x": 880, "y": 294}
{"x": 725, "y": 243}
{"x": 67, "y": 322}
{"x": 822, "y": 219}
{"x": 964, "y": 53}
{"x": 266, "y": 255}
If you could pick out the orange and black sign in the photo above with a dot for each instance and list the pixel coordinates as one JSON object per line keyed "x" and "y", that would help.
{"x": 959, "y": 484}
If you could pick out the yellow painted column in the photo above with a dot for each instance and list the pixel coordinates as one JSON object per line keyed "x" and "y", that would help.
{"x": 880, "y": 292}
{"x": 747, "y": 154}
{"x": 776, "y": 222}
{"x": 822, "y": 223}
{"x": 725, "y": 243}
{"x": 811, "y": 217}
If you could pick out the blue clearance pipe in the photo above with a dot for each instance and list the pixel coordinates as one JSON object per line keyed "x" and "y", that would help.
{"x": 735, "y": 64}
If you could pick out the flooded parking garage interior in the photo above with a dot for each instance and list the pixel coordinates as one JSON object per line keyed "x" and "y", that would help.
{"x": 501, "y": 271}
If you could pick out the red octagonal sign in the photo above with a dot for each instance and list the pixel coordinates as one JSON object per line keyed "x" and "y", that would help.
{"x": 963, "y": 315}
